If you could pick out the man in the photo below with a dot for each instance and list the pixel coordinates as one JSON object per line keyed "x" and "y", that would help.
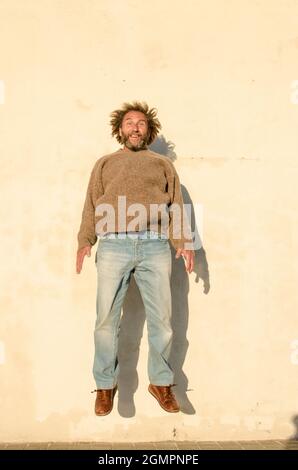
{"x": 134, "y": 180}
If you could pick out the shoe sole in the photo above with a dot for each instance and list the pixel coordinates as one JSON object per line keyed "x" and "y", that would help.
{"x": 108, "y": 412}
{"x": 168, "y": 411}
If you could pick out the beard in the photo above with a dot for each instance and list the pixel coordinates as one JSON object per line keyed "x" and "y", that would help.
{"x": 141, "y": 145}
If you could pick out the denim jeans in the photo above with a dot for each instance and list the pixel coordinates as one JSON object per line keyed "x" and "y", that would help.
{"x": 149, "y": 259}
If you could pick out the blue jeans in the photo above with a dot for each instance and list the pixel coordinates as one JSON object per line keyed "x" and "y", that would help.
{"x": 151, "y": 262}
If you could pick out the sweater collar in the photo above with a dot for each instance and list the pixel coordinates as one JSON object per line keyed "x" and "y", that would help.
{"x": 131, "y": 152}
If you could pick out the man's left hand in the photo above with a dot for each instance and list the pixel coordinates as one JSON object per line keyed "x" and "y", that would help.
{"x": 189, "y": 256}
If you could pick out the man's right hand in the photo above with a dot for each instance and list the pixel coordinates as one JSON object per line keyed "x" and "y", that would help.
{"x": 86, "y": 250}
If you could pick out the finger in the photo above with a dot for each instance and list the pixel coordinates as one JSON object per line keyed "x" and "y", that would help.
{"x": 80, "y": 262}
{"x": 191, "y": 264}
{"x": 178, "y": 252}
{"x": 79, "y": 267}
{"x": 185, "y": 262}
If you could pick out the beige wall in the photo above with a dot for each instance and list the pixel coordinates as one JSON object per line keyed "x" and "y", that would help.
{"x": 220, "y": 74}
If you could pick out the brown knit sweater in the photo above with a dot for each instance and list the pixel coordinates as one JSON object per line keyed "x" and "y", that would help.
{"x": 144, "y": 177}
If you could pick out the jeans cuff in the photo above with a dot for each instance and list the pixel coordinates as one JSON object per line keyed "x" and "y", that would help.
{"x": 105, "y": 386}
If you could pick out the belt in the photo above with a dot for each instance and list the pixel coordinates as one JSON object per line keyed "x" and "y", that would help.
{"x": 142, "y": 234}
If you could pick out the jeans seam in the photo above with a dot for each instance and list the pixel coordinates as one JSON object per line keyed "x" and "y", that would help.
{"x": 115, "y": 348}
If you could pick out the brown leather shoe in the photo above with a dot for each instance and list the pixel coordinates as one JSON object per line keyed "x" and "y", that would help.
{"x": 104, "y": 401}
{"x": 165, "y": 397}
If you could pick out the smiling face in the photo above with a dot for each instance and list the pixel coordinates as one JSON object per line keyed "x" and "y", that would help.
{"x": 134, "y": 131}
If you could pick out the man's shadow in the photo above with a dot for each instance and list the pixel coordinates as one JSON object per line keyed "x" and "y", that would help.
{"x": 133, "y": 318}
{"x": 292, "y": 442}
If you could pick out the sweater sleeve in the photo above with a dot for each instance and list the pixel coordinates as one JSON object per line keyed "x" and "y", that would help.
{"x": 179, "y": 227}
{"x": 86, "y": 235}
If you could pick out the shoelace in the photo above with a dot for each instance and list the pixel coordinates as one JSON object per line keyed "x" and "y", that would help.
{"x": 168, "y": 390}
{"x": 103, "y": 395}
{"x": 102, "y": 390}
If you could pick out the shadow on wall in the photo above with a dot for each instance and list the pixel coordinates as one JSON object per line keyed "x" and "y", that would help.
{"x": 292, "y": 442}
{"x": 134, "y": 314}
{"x": 164, "y": 147}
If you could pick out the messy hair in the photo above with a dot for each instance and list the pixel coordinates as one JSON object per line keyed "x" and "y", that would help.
{"x": 117, "y": 116}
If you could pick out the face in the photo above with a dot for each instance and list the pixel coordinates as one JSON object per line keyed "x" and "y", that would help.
{"x": 134, "y": 131}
